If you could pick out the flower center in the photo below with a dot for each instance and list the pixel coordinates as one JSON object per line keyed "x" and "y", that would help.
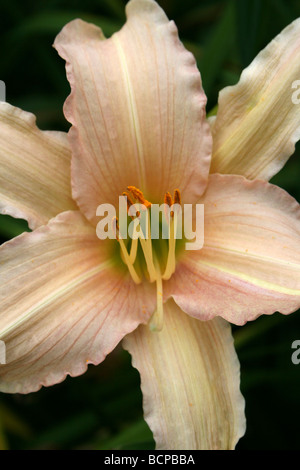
{"x": 157, "y": 261}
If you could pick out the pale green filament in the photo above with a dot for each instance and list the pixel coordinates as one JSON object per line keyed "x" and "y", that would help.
{"x": 156, "y": 322}
{"x": 128, "y": 261}
{"x": 171, "y": 261}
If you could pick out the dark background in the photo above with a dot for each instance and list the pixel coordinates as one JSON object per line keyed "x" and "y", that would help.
{"x": 103, "y": 408}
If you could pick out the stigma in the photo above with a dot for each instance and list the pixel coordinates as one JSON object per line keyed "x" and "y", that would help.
{"x": 155, "y": 267}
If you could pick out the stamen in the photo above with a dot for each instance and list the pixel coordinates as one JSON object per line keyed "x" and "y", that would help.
{"x": 115, "y": 227}
{"x": 134, "y": 243}
{"x": 146, "y": 245}
{"x": 171, "y": 260}
{"x": 128, "y": 259}
{"x": 137, "y": 194}
{"x": 177, "y": 197}
{"x": 130, "y": 203}
{"x": 156, "y": 322}
{"x": 133, "y": 251}
{"x": 168, "y": 199}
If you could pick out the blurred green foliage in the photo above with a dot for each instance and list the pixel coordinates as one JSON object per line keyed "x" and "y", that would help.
{"x": 103, "y": 408}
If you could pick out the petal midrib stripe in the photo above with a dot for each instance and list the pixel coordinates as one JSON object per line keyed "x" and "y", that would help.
{"x": 255, "y": 281}
{"x": 55, "y": 295}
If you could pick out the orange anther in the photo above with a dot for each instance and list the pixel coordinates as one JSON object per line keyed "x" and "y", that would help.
{"x": 177, "y": 197}
{"x": 168, "y": 199}
{"x": 137, "y": 194}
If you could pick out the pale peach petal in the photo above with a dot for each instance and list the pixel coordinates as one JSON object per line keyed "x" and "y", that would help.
{"x": 250, "y": 262}
{"x": 64, "y": 303}
{"x": 258, "y": 120}
{"x": 190, "y": 382}
{"x": 35, "y": 180}
{"x": 137, "y": 109}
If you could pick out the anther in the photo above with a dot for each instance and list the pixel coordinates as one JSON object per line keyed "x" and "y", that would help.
{"x": 130, "y": 203}
{"x": 137, "y": 194}
{"x": 177, "y": 197}
{"x": 168, "y": 201}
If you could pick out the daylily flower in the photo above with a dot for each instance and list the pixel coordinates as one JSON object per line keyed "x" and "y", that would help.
{"x": 137, "y": 110}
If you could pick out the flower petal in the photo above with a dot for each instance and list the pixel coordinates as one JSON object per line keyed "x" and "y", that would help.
{"x": 64, "y": 303}
{"x": 250, "y": 262}
{"x": 137, "y": 109}
{"x": 35, "y": 180}
{"x": 257, "y": 123}
{"x": 190, "y": 382}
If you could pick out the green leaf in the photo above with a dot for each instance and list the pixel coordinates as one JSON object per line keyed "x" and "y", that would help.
{"x": 217, "y": 48}
{"x": 251, "y": 331}
{"x": 11, "y": 422}
{"x": 248, "y": 14}
{"x": 131, "y": 437}
{"x": 283, "y": 10}
{"x": 116, "y": 7}
{"x": 10, "y": 227}
{"x": 53, "y": 21}
{"x": 67, "y": 431}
